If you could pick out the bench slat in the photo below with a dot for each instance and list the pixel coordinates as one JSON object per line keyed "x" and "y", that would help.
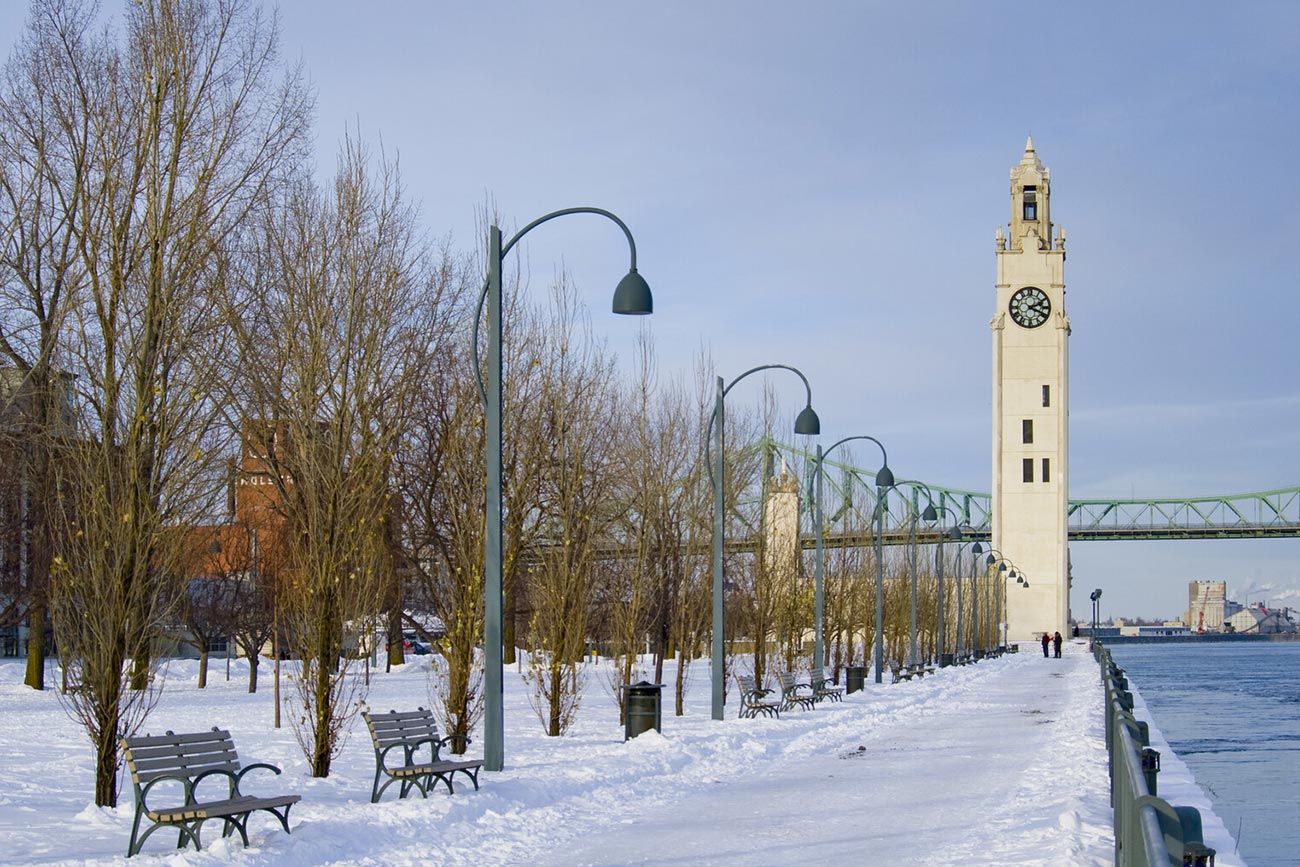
{"x": 169, "y": 738}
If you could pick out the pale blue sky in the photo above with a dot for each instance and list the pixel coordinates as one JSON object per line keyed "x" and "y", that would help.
{"x": 818, "y": 185}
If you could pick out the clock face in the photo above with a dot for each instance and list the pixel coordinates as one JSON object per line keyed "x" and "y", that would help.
{"x": 1030, "y": 307}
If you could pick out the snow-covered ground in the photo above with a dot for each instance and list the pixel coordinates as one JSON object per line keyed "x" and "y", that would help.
{"x": 996, "y": 763}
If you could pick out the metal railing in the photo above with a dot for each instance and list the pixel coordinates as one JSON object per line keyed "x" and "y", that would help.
{"x": 1149, "y": 831}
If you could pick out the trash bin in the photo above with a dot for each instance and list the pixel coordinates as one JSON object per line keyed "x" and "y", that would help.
{"x": 643, "y": 709}
{"x": 854, "y": 677}
{"x": 945, "y": 660}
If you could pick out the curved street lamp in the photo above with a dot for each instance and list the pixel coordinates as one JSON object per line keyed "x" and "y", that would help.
{"x": 929, "y": 515}
{"x": 960, "y": 606}
{"x": 990, "y": 561}
{"x": 1005, "y": 565}
{"x": 631, "y": 297}
{"x": 953, "y": 534}
{"x": 1095, "y": 596}
{"x": 884, "y": 481}
{"x": 807, "y": 424}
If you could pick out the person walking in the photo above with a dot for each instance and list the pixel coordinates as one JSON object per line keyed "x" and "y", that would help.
{"x": 1046, "y": 639}
{"x": 1056, "y": 644}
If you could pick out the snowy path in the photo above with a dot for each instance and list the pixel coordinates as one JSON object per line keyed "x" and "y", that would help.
{"x": 998, "y": 767}
{"x": 996, "y": 763}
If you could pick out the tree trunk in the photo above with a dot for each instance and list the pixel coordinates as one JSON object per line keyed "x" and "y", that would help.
{"x": 36, "y": 647}
{"x": 253, "y": 660}
{"x": 140, "y": 671}
{"x": 396, "y": 655}
{"x": 106, "y": 772}
{"x": 105, "y": 736}
{"x": 508, "y": 628}
{"x": 681, "y": 681}
{"x": 320, "y": 760}
{"x": 553, "y": 726}
{"x": 203, "y": 666}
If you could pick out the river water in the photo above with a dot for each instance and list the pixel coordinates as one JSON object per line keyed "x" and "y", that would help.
{"x": 1231, "y": 711}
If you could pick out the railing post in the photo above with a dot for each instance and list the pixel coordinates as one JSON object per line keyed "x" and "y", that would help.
{"x": 1150, "y": 767}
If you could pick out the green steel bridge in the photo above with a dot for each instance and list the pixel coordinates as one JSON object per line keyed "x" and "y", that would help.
{"x": 849, "y": 501}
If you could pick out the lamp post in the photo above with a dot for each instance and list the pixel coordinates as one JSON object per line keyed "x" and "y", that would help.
{"x": 976, "y": 643}
{"x": 953, "y": 533}
{"x": 928, "y": 515}
{"x": 1095, "y": 596}
{"x": 1004, "y": 566}
{"x": 994, "y": 558}
{"x": 884, "y": 480}
{"x": 961, "y": 632}
{"x": 805, "y": 423}
{"x": 631, "y": 297}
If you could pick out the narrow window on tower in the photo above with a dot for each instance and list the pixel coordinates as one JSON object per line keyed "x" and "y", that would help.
{"x": 1027, "y": 469}
{"x": 1029, "y": 200}
{"x": 1027, "y": 430}
{"x": 1047, "y": 395}
{"x": 1047, "y": 470}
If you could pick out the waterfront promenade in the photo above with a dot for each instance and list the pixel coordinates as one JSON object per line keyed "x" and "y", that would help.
{"x": 999, "y": 763}
{"x": 996, "y": 763}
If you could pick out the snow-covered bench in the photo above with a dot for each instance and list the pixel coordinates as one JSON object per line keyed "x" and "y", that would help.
{"x": 400, "y": 740}
{"x": 753, "y": 699}
{"x": 792, "y": 694}
{"x": 178, "y": 765}
{"x": 822, "y": 686}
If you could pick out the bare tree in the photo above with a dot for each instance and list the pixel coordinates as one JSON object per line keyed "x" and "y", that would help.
{"x": 147, "y": 156}
{"x": 43, "y": 148}
{"x": 577, "y": 511}
{"x": 329, "y": 320}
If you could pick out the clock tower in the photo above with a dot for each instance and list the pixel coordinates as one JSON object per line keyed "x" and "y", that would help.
{"x": 1031, "y": 390}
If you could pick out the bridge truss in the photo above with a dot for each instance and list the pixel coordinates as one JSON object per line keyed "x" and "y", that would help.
{"x": 849, "y": 500}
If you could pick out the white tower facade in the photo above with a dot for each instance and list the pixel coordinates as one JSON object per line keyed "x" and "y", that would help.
{"x": 1031, "y": 408}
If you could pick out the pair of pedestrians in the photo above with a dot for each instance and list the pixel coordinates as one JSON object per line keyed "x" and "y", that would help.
{"x": 1055, "y": 641}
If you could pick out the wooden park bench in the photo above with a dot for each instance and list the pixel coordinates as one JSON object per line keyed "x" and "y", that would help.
{"x": 408, "y": 751}
{"x": 823, "y": 686}
{"x": 178, "y": 766}
{"x": 899, "y": 672}
{"x": 753, "y": 699}
{"x": 791, "y": 695}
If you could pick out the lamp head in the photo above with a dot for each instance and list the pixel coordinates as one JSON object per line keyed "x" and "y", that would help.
{"x": 990, "y": 560}
{"x": 1096, "y": 594}
{"x": 954, "y": 534}
{"x": 928, "y": 513}
{"x": 977, "y": 548}
{"x": 1002, "y": 567}
{"x": 632, "y": 297}
{"x": 807, "y": 423}
{"x": 885, "y": 478}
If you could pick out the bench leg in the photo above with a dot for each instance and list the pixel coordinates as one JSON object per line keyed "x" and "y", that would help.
{"x": 472, "y": 773}
{"x": 229, "y": 823}
{"x": 184, "y": 833}
{"x": 283, "y": 817}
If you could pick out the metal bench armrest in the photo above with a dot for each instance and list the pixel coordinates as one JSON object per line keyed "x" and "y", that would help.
{"x": 231, "y": 778}
{"x": 256, "y": 766}
{"x": 142, "y": 792}
{"x": 452, "y": 739}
